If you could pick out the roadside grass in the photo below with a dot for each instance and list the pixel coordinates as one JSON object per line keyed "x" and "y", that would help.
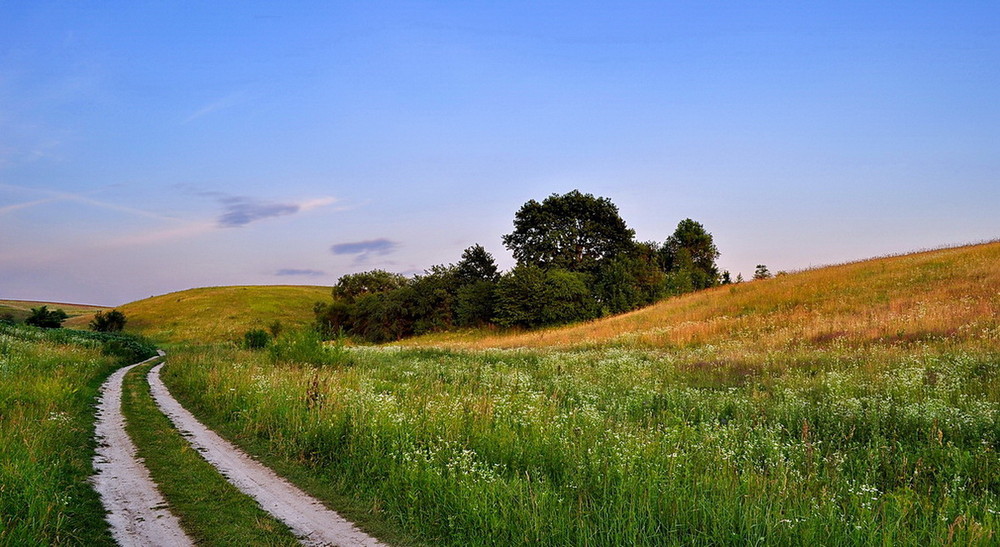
{"x": 211, "y": 510}
{"x": 629, "y": 447}
{"x": 222, "y": 314}
{"x": 48, "y": 383}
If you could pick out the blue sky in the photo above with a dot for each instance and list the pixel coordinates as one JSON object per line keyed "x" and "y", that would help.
{"x": 147, "y": 147}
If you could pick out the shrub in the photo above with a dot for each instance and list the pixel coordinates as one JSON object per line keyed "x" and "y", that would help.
{"x": 305, "y": 346}
{"x": 112, "y": 321}
{"x": 256, "y": 339}
{"x": 45, "y": 318}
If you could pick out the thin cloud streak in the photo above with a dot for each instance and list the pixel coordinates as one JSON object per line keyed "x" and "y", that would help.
{"x": 299, "y": 272}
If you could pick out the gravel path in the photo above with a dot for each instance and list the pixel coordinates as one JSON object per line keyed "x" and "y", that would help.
{"x": 136, "y": 510}
{"x": 305, "y": 515}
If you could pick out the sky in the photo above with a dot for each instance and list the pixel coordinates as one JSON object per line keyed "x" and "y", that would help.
{"x": 149, "y": 147}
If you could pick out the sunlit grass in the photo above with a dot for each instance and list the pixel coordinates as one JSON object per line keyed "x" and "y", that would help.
{"x": 222, "y": 314}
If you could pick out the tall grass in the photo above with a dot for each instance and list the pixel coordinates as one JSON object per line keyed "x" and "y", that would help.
{"x": 48, "y": 382}
{"x": 834, "y": 445}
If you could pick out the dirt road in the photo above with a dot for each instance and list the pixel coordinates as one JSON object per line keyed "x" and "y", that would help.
{"x": 305, "y": 515}
{"x": 136, "y": 510}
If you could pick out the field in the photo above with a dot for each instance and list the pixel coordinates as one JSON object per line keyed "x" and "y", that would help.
{"x": 850, "y": 405}
{"x": 48, "y": 382}
{"x": 222, "y": 314}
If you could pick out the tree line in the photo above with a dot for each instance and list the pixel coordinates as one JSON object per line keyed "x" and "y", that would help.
{"x": 576, "y": 260}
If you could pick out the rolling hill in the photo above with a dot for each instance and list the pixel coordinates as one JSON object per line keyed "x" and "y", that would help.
{"x": 218, "y": 314}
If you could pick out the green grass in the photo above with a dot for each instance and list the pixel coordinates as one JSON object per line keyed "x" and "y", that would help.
{"x": 222, "y": 314}
{"x": 211, "y": 510}
{"x": 48, "y": 383}
{"x": 628, "y": 447}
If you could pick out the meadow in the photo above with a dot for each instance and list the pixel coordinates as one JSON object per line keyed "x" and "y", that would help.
{"x": 623, "y": 446}
{"x": 849, "y": 405}
{"x": 48, "y": 383}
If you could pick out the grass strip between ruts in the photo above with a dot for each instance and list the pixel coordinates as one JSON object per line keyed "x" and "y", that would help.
{"x": 211, "y": 510}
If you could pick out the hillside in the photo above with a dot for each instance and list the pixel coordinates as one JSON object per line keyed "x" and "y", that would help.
{"x": 218, "y": 314}
{"x": 20, "y": 309}
{"x": 943, "y": 296}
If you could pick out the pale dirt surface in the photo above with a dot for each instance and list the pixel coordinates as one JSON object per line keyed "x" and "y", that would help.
{"x": 136, "y": 510}
{"x": 306, "y": 516}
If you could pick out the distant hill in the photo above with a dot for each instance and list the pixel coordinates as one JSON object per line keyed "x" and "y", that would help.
{"x": 942, "y": 297}
{"x": 217, "y": 314}
{"x": 20, "y": 309}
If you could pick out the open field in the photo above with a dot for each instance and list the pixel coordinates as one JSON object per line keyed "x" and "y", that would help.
{"x": 222, "y": 314}
{"x": 858, "y": 404}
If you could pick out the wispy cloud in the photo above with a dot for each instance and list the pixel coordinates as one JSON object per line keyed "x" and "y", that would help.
{"x": 299, "y": 272}
{"x": 214, "y": 106}
{"x": 242, "y": 210}
{"x": 239, "y": 211}
{"x": 55, "y": 196}
{"x": 365, "y": 249}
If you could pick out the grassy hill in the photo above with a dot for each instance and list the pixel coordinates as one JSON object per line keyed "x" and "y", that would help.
{"x": 217, "y": 314}
{"x": 943, "y": 296}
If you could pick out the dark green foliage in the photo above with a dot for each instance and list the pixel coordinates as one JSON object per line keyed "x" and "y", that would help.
{"x": 574, "y": 231}
{"x": 353, "y": 286}
{"x": 112, "y": 321}
{"x": 631, "y": 280}
{"x": 45, "y": 318}
{"x": 7, "y": 318}
{"x": 476, "y": 304}
{"x": 529, "y": 296}
{"x": 577, "y": 260}
{"x": 689, "y": 256}
{"x": 476, "y": 265}
{"x": 256, "y": 339}
{"x": 761, "y": 272}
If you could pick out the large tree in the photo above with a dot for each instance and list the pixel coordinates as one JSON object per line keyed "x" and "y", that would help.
{"x": 574, "y": 231}
{"x": 689, "y": 255}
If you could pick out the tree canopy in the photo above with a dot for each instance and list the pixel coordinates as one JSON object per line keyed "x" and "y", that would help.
{"x": 573, "y": 231}
{"x": 45, "y": 318}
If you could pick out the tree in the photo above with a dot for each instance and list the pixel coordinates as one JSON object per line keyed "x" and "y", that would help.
{"x": 761, "y": 272}
{"x": 351, "y": 286}
{"x": 574, "y": 231}
{"x": 45, "y": 318}
{"x": 529, "y": 296}
{"x": 691, "y": 253}
{"x": 476, "y": 265}
{"x": 112, "y": 321}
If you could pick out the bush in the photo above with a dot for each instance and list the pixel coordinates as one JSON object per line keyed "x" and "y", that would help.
{"x": 112, "y": 321}
{"x": 47, "y": 319}
{"x": 256, "y": 339}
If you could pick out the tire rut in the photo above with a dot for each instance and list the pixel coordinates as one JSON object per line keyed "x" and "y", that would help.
{"x": 308, "y": 518}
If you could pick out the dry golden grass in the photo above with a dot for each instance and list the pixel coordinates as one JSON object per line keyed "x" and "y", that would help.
{"x": 944, "y": 296}
{"x": 220, "y": 314}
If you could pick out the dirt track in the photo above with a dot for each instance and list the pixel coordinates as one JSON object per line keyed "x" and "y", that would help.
{"x": 136, "y": 510}
{"x": 305, "y": 515}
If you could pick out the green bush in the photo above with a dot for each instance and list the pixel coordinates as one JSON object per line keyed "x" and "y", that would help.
{"x": 256, "y": 339}
{"x": 305, "y": 346}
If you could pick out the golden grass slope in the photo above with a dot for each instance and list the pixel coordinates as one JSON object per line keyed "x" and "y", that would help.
{"x": 220, "y": 314}
{"x": 947, "y": 296}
